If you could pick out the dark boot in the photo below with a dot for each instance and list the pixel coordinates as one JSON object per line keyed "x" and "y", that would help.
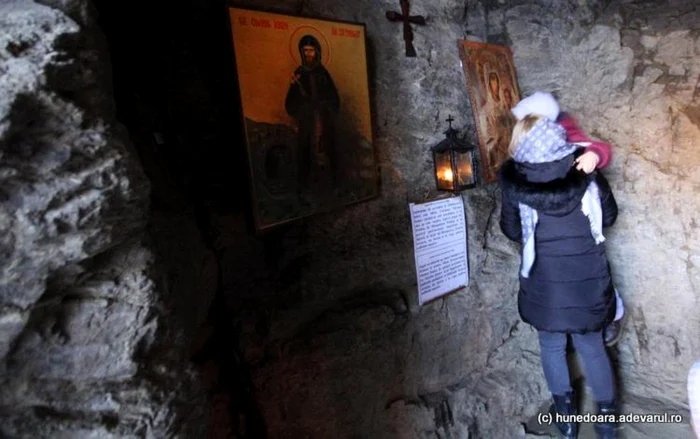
{"x": 612, "y": 332}
{"x": 564, "y": 405}
{"x": 606, "y": 430}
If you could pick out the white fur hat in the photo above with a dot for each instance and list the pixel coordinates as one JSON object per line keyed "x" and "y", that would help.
{"x": 539, "y": 103}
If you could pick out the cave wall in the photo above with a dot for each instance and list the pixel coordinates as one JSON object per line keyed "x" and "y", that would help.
{"x": 352, "y": 354}
{"x": 102, "y": 293}
{"x": 96, "y": 322}
{"x": 342, "y": 348}
{"x": 632, "y": 79}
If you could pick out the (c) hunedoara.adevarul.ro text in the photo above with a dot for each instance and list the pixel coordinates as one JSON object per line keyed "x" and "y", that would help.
{"x": 630, "y": 418}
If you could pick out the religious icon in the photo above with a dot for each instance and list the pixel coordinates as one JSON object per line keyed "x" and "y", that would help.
{"x": 493, "y": 91}
{"x": 312, "y": 100}
{"x": 306, "y": 113}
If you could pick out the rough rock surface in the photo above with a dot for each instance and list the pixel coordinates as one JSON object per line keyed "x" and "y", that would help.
{"x": 344, "y": 350}
{"x": 94, "y": 334}
{"x": 632, "y": 79}
{"x": 95, "y": 324}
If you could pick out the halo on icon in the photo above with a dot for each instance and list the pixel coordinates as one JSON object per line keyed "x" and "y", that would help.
{"x": 302, "y": 31}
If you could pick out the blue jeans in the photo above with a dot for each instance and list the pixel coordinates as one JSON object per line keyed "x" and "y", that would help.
{"x": 596, "y": 364}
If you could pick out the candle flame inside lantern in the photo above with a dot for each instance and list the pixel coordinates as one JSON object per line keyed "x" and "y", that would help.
{"x": 447, "y": 174}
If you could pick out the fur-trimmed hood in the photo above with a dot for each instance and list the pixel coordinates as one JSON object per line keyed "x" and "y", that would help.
{"x": 555, "y": 188}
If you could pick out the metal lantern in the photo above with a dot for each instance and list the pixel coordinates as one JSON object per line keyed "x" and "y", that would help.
{"x": 454, "y": 162}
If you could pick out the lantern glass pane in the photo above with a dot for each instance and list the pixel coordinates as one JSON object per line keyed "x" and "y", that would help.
{"x": 465, "y": 168}
{"x": 443, "y": 171}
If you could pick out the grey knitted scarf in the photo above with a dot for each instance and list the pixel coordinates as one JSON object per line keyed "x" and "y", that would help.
{"x": 545, "y": 142}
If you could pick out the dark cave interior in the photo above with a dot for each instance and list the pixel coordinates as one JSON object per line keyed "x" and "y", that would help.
{"x": 175, "y": 91}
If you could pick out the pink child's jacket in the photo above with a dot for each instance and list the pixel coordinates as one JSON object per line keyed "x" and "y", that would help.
{"x": 574, "y": 134}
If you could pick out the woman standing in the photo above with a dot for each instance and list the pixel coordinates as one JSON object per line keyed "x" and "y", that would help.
{"x": 558, "y": 213}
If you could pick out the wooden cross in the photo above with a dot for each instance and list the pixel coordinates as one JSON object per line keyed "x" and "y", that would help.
{"x": 407, "y": 20}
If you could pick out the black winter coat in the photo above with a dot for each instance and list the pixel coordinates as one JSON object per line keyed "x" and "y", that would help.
{"x": 569, "y": 288}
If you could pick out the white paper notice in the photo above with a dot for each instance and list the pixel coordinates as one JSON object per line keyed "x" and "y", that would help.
{"x": 440, "y": 247}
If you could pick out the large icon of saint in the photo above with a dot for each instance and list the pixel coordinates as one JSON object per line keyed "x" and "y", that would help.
{"x": 312, "y": 100}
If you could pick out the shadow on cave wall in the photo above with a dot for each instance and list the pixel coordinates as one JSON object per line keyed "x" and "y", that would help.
{"x": 175, "y": 91}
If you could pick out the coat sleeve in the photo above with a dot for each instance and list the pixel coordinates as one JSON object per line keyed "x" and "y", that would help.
{"x": 510, "y": 218}
{"x": 607, "y": 201}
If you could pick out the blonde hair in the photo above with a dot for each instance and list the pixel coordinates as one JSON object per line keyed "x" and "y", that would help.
{"x": 521, "y": 128}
